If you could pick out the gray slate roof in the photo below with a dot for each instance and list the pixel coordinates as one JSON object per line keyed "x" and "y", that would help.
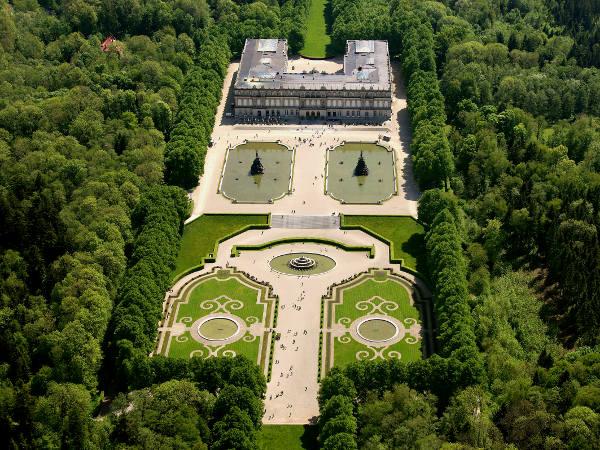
{"x": 264, "y": 66}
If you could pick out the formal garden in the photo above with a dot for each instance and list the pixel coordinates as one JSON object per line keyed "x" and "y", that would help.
{"x": 361, "y": 172}
{"x": 221, "y": 313}
{"x": 377, "y": 315}
{"x": 257, "y": 172}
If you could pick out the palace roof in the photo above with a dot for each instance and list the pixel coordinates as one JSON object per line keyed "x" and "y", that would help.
{"x": 264, "y": 65}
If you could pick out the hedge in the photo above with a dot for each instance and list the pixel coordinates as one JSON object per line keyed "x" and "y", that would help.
{"x": 158, "y": 221}
{"x": 200, "y": 96}
{"x": 236, "y": 249}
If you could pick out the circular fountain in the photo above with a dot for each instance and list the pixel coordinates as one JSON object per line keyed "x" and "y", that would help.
{"x": 302, "y": 263}
{"x": 218, "y": 328}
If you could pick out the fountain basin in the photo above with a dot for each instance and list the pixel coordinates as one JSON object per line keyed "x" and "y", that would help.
{"x": 218, "y": 328}
{"x": 302, "y": 264}
{"x": 377, "y": 329}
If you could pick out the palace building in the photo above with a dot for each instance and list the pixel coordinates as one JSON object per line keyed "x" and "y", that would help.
{"x": 265, "y": 87}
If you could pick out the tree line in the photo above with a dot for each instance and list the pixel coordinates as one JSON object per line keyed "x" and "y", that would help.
{"x": 157, "y": 225}
{"x": 88, "y": 227}
{"x": 200, "y": 96}
{"x": 512, "y": 232}
{"x": 197, "y": 403}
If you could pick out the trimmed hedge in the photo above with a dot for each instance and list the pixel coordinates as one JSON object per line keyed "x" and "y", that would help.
{"x": 337, "y": 422}
{"x": 236, "y": 249}
{"x": 200, "y": 96}
{"x": 433, "y": 160}
{"x": 448, "y": 268}
{"x": 158, "y": 221}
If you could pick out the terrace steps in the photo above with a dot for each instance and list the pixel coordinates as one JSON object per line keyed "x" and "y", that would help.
{"x": 304, "y": 222}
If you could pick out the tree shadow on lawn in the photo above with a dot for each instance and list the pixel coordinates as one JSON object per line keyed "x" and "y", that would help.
{"x": 309, "y": 437}
{"x": 415, "y": 246}
{"x": 331, "y": 49}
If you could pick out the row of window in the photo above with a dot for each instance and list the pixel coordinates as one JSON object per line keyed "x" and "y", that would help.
{"x": 295, "y": 112}
{"x": 311, "y": 94}
{"x": 333, "y": 103}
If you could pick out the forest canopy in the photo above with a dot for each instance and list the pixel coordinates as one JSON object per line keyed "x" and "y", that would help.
{"x": 106, "y": 111}
{"x": 103, "y": 105}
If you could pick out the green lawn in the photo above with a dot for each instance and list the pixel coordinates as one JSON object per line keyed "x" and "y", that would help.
{"x": 391, "y": 293}
{"x": 316, "y": 39}
{"x": 226, "y": 292}
{"x": 183, "y": 347}
{"x": 213, "y": 288}
{"x": 345, "y": 353}
{"x": 201, "y": 235}
{"x": 288, "y": 437}
{"x": 406, "y": 234}
{"x": 389, "y": 290}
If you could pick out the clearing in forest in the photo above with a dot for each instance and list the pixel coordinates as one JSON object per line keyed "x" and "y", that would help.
{"x": 317, "y": 42}
{"x": 290, "y": 437}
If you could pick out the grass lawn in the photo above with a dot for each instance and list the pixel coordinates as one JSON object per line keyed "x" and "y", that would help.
{"x": 201, "y": 235}
{"x": 224, "y": 292}
{"x": 288, "y": 437}
{"x": 213, "y": 288}
{"x": 389, "y": 290}
{"x": 345, "y": 353}
{"x": 392, "y": 300}
{"x": 316, "y": 39}
{"x": 183, "y": 347}
{"x": 407, "y": 235}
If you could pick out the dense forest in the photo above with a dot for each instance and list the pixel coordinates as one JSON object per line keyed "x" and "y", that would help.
{"x": 504, "y": 99}
{"x": 90, "y": 131}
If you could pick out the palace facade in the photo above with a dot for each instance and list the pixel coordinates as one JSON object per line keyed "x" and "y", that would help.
{"x": 266, "y": 88}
